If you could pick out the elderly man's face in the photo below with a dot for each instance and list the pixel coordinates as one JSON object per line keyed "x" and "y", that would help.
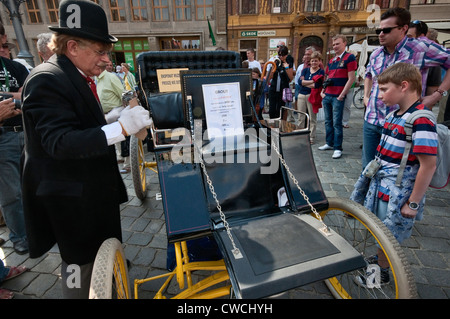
{"x": 91, "y": 57}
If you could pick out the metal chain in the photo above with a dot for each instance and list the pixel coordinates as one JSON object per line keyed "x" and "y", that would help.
{"x": 236, "y": 252}
{"x": 325, "y": 228}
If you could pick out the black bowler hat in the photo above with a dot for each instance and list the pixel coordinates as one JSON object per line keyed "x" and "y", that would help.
{"x": 84, "y": 19}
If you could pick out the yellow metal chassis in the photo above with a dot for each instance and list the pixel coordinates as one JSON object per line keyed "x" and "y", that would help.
{"x": 183, "y": 274}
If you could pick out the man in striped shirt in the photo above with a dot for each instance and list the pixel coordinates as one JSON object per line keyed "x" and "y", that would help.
{"x": 340, "y": 76}
{"x": 397, "y": 47}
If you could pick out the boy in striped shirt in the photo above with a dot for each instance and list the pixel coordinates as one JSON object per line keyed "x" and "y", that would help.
{"x": 399, "y": 207}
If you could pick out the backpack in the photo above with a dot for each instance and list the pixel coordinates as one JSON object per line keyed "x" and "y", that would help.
{"x": 442, "y": 174}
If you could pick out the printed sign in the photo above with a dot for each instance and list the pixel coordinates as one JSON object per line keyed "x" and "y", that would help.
{"x": 223, "y": 109}
{"x": 169, "y": 80}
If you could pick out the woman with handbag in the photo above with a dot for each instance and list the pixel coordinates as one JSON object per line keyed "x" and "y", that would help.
{"x": 310, "y": 80}
{"x": 279, "y": 80}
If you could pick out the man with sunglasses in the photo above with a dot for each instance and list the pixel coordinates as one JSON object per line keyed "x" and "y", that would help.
{"x": 397, "y": 47}
{"x": 72, "y": 187}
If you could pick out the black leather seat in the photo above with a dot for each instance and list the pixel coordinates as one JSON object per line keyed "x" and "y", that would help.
{"x": 166, "y": 110}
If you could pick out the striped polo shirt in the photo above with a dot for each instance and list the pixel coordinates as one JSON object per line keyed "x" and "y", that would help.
{"x": 423, "y": 54}
{"x": 393, "y": 142}
{"x": 337, "y": 70}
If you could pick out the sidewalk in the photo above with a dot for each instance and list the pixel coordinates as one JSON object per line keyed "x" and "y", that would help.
{"x": 428, "y": 250}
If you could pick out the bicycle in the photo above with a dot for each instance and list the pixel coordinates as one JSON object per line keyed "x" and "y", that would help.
{"x": 358, "y": 97}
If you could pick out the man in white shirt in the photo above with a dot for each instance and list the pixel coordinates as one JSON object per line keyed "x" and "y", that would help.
{"x": 252, "y": 63}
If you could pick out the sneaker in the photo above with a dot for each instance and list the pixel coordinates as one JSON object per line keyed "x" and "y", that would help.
{"x": 325, "y": 147}
{"x": 374, "y": 277}
{"x": 21, "y": 247}
{"x": 337, "y": 154}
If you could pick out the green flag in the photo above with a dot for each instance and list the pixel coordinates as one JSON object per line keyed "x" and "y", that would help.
{"x": 211, "y": 34}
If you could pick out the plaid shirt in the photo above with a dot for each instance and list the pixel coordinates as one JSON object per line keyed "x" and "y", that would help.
{"x": 423, "y": 54}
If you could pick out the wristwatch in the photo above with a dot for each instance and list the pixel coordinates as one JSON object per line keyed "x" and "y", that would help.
{"x": 412, "y": 205}
{"x": 441, "y": 92}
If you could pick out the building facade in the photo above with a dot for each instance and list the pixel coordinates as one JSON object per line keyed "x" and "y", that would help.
{"x": 261, "y": 24}
{"x": 140, "y": 25}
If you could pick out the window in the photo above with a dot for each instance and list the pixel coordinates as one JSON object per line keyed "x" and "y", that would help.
{"x": 117, "y": 8}
{"x": 244, "y": 45}
{"x": 203, "y": 9}
{"x": 248, "y": 6}
{"x": 384, "y": 4}
{"x": 160, "y": 10}
{"x": 280, "y": 6}
{"x": 182, "y": 9}
{"x": 34, "y": 15}
{"x": 313, "y": 5}
{"x": 348, "y": 5}
{"x": 138, "y": 10}
{"x": 52, "y": 8}
{"x": 181, "y": 43}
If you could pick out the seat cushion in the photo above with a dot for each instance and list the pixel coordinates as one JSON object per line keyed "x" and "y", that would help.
{"x": 283, "y": 252}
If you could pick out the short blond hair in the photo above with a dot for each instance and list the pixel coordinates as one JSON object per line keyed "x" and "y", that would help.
{"x": 316, "y": 55}
{"x": 400, "y": 72}
{"x": 340, "y": 36}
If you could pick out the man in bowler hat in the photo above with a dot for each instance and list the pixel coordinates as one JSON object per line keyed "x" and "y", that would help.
{"x": 72, "y": 187}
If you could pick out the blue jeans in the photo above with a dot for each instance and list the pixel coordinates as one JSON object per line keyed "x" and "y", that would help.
{"x": 11, "y": 147}
{"x": 371, "y": 139}
{"x": 3, "y": 271}
{"x": 333, "y": 110}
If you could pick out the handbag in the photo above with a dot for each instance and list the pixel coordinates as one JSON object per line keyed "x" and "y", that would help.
{"x": 287, "y": 95}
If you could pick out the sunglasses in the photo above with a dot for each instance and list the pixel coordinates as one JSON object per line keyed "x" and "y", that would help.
{"x": 386, "y": 30}
{"x": 417, "y": 22}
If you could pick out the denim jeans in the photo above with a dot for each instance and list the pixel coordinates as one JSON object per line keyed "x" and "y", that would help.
{"x": 371, "y": 139}
{"x": 333, "y": 110}
{"x": 11, "y": 147}
{"x": 3, "y": 271}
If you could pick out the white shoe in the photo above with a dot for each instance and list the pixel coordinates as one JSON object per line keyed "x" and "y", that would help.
{"x": 325, "y": 147}
{"x": 337, "y": 154}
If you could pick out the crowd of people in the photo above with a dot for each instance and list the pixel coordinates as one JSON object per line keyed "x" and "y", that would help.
{"x": 60, "y": 177}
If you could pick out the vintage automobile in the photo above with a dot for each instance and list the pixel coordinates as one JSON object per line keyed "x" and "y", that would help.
{"x": 242, "y": 198}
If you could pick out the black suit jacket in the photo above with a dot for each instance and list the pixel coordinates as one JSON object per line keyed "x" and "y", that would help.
{"x": 71, "y": 184}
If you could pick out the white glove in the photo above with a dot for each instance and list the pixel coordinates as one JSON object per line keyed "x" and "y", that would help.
{"x": 134, "y": 119}
{"x": 113, "y": 115}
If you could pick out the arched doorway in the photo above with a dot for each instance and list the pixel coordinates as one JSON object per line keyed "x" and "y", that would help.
{"x": 309, "y": 41}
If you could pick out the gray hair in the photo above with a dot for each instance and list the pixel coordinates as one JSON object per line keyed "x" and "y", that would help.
{"x": 432, "y": 34}
{"x": 43, "y": 41}
{"x": 313, "y": 49}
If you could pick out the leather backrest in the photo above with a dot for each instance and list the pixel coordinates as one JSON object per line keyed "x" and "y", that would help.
{"x": 149, "y": 62}
{"x": 166, "y": 110}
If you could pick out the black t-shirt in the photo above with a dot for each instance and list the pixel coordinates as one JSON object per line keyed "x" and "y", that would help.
{"x": 16, "y": 75}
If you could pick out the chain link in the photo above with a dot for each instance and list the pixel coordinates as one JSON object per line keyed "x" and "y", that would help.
{"x": 325, "y": 228}
{"x": 236, "y": 252}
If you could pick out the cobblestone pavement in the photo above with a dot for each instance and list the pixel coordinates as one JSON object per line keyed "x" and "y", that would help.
{"x": 428, "y": 250}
